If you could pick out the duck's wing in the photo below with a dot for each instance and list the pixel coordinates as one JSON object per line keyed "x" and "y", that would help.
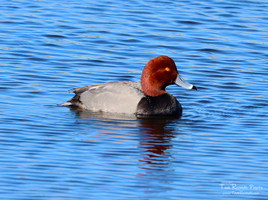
{"x": 75, "y": 101}
{"x": 121, "y": 97}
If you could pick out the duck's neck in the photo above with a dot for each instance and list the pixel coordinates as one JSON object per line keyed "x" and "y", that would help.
{"x": 151, "y": 88}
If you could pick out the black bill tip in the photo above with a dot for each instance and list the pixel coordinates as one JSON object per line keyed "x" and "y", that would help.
{"x": 194, "y": 88}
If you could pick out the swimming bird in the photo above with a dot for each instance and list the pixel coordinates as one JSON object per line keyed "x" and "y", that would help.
{"x": 145, "y": 98}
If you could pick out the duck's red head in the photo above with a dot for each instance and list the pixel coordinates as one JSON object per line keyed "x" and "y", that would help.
{"x": 158, "y": 73}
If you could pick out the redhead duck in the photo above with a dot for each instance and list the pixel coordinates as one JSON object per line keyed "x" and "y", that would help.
{"x": 145, "y": 98}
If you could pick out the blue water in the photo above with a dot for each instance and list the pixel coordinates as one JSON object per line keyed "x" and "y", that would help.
{"x": 218, "y": 149}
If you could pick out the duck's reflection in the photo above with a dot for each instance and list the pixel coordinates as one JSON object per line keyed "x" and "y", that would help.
{"x": 155, "y": 135}
{"x": 155, "y": 140}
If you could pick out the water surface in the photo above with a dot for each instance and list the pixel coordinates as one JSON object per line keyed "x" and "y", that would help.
{"x": 216, "y": 150}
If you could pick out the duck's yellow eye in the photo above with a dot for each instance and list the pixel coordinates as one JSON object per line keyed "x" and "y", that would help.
{"x": 167, "y": 69}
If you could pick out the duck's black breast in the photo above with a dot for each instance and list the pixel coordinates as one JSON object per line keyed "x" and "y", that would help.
{"x": 165, "y": 104}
